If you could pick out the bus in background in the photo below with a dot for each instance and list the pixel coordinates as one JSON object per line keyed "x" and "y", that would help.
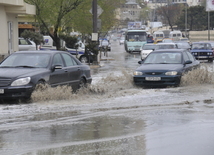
{"x": 134, "y": 40}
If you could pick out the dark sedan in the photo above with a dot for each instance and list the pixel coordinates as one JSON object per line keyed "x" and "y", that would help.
{"x": 163, "y": 68}
{"x": 22, "y": 71}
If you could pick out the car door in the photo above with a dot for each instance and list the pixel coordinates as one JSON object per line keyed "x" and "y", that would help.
{"x": 73, "y": 69}
{"x": 58, "y": 76}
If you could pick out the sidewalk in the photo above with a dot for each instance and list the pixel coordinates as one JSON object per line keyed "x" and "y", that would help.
{"x": 101, "y": 61}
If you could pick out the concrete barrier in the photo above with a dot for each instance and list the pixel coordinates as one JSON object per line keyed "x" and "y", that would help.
{"x": 201, "y": 35}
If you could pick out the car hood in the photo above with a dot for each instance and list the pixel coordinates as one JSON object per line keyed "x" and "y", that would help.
{"x": 21, "y": 72}
{"x": 201, "y": 50}
{"x": 160, "y": 67}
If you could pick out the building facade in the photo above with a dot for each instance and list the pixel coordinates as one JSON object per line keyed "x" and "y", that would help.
{"x": 9, "y": 11}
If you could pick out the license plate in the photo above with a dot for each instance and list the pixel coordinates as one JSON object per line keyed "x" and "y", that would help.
{"x": 1, "y": 91}
{"x": 153, "y": 78}
{"x": 202, "y": 56}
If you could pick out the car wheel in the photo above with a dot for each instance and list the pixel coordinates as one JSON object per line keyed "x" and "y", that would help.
{"x": 210, "y": 60}
{"x": 84, "y": 59}
{"x": 82, "y": 83}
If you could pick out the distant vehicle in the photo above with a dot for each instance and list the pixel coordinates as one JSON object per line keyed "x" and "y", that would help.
{"x": 175, "y": 35}
{"x": 26, "y": 45}
{"x": 146, "y": 49}
{"x": 183, "y": 44}
{"x": 158, "y": 36}
{"x": 134, "y": 40}
{"x": 166, "y": 46}
{"x": 150, "y": 39}
{"x": 105, "y": 44}
{"x": 202, "y": 51}
{"x": 167, "y": 40}
{"x": 121, "y": 41}
{"x": 31, "y": 68}
{"x": 163, "y": 68}
{"x": 209, "y": 41}
{"x": 80, "y": 53}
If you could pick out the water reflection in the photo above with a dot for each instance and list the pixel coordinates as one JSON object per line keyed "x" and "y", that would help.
{"x": 99, "y": 135}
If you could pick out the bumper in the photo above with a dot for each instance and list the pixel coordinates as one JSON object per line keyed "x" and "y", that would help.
{"x": 165, "y": 81}
{"x": 203, "y": 57}
{"x": 15, "y": 92}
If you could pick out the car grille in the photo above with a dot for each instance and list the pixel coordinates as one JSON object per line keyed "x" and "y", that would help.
{"x": 4, "y": 81}
{"x": 153, "y": 73}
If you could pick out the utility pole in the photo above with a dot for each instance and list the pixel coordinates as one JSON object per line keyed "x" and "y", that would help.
{"x": 94, "y": 11}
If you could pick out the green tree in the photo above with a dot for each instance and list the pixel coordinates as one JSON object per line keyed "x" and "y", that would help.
{"x": 53, "y": 15}
{"x": 34, "y": 36}
{"x": 197, "y": 19}
{"x": 170, "y": 13}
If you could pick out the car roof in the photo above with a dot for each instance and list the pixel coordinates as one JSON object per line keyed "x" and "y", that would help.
{"x": 171, "y": 43}
{"x": 42, "y": 51}
{"x": 170, "y": 50}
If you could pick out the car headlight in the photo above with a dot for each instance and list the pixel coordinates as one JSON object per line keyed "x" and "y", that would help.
{"x": 21, "y": 81}
{"x": 138, "y": 73}
{"x": 171, "y": 73}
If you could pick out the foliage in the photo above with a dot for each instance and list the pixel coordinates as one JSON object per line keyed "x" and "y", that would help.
{"x": 34, "y": 36}
{"x": 70, "y": 41}
{"x": 197, "y": 19}
{"x": 170, "y": 13}
{"x": 53, "y": 15}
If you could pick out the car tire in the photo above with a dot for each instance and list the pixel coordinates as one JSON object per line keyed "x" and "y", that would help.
{"x": 210, "y": 60}
{"x": 82, "y": 83}
{"x": 84, "y": 59}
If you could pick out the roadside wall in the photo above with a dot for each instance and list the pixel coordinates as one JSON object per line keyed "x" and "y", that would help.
{"x": 200, "y": 35}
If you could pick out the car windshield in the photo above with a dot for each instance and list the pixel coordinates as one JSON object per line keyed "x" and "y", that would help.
{"x": 164, "y": 58}
{"x": 27, "y": 60}
{"x": 184, "y": 45}
{"x": 204, "y": 46}
{"x": 148, "y": 47}
{"x": 165, "y": 46}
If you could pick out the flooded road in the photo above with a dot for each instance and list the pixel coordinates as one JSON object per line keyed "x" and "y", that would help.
{"x": 113, "y": 117}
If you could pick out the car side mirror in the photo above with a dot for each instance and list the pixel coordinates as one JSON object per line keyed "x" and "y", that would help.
{"x": 188, "y": 62}
{"x": 55, "y": 67}
{"x": 140, "y": 62}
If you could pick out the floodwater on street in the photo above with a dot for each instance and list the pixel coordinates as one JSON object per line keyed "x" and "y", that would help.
{"x": 114, "y": 117}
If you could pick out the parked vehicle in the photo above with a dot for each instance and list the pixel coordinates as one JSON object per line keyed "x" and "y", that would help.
{"x": 22, "y": 71}
{"x": 134, "y": 40}
{"x": 146, "y": 49}
{"x": 26, "y": 45}
{"x": 80, "y": 53}
{"x": 166, "y": 46}
{"x": 202, "y": 51}
{"x": 165, "y": 67}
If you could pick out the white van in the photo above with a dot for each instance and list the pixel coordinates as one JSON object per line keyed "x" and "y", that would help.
{"x": 175, "y": 35}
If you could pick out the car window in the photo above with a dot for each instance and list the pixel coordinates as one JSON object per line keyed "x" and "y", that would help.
{"x": 148, "y": 47}
{"x": 186, "y": 56}
{"x": 24, "y": 42}
{"x": 69, "y": 61}
{"x": 191, "y": 57}
{"x": 57, "y": 60}
{"x": 33, "y": 60}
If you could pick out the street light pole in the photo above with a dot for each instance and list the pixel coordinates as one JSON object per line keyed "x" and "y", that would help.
{"x": 94, "y": 11}
{"x": 186, "y": 20}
